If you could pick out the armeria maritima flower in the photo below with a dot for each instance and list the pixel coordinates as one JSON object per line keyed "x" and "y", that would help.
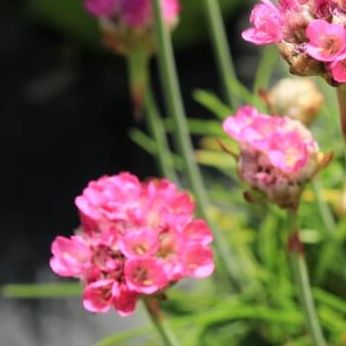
{"x": 128, "y": 24}
{"x": 310, "y": 34}
{"x": 135, "y": 239}
{"x": 278, "y": 155}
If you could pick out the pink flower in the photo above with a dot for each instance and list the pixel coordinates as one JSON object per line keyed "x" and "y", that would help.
{"x": 101, "y": 8}
{"x": 145, "y": 275}
{"x": 124, "y": 299}
{"x": 309, "y": 34}
{"x": 136, "y": 238}
{"x": 198, "y": 261}
{"x": 278, "y": 155}
{"x": 267, "y": 24}
{"x": 97, "y": 296}
{"x": 71, "y": 256}
{"x": 109, "y": 199}
{"x": 327, "y": 41}
{"x": 139, "y": 243}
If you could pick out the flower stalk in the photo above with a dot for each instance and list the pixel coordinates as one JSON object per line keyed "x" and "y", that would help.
{"x": 175, "y": 108}
{"x": 300, "y": 273}
{"x": 157, "y": 130}
{"x": 137, "y": 65}
{"x": 341, "y": 96}
{"x": 153, "y": 308}
{"x": 221, "y": 50}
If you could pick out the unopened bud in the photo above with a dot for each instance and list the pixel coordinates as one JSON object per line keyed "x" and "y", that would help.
{"x": 296, "y": 98}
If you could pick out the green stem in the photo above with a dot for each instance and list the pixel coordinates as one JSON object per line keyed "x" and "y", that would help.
{"x": 222, "y": 51}
{"x": 153, "y": 308}
{"x": 182, "y": 138}
{"x": 341, "y": 95}
{"x": 297, "y": 258}
{"x": 138, "y": 72}
{"x": 156, "y": 127}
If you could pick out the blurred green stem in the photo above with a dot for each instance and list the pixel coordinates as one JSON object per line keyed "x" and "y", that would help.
{"x": 300, "y": 273}
{"x": 157, "y": 130}
{"x": 221, "y": 50}
{"x": 176, "y": 112}
{"x": 154, "y": 310}
{"x": 341, "y": 95}
{"x": 138, "y": 72}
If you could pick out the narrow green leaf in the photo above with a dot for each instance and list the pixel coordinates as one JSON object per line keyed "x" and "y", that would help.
{"x": 39, "y": 291}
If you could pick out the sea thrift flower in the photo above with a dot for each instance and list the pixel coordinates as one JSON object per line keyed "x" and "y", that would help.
{"x": 310, "y": 35}
{"x": 267, "y": 24}
{"x": 128, "y": 29}
{"x": 278, "y": 155}
{"x": 135, "y": 239}
{"x": 127, "y": 24}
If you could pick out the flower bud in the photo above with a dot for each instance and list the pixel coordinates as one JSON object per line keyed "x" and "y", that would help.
{"x": 296, "y": 98}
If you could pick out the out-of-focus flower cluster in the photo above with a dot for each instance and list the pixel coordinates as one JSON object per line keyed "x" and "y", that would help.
{"x": 128, "y": 24}
{"x": 278, "y": 155}
{"x": 135, "y": 239}
{"x": 310, "y": 35}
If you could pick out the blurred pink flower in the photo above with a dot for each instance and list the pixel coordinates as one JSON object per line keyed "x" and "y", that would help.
{"x": 267, "y": 24}
{"x": 101, "y": 8}
{"x": 135, "y": 238}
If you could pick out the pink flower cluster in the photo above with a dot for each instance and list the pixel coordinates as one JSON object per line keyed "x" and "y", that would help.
{"x": 133, "y": 13}
{"x": 304, "y": 30}
{"x": 278, "y": 155}
{"x": 135, "y": 239}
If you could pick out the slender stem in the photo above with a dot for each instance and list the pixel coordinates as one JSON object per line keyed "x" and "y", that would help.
{"x": 153, "y": 308}
{"x": 156, "y": 127}
{"x": 137, "y": 66}
{"x": 341, "y": 95}
{"x": 297, "y": 258}
{"x": 222, "y": 50}
{"x": 174, "y": 105}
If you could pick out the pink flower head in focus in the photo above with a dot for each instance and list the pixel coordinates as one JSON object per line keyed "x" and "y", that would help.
{"x": 267, "y": 24}
{"x": 278, "y": 155}
{"x": 135, "y": 239}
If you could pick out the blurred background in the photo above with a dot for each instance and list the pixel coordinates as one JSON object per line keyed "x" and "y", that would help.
{"x": 65, "y": 117}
